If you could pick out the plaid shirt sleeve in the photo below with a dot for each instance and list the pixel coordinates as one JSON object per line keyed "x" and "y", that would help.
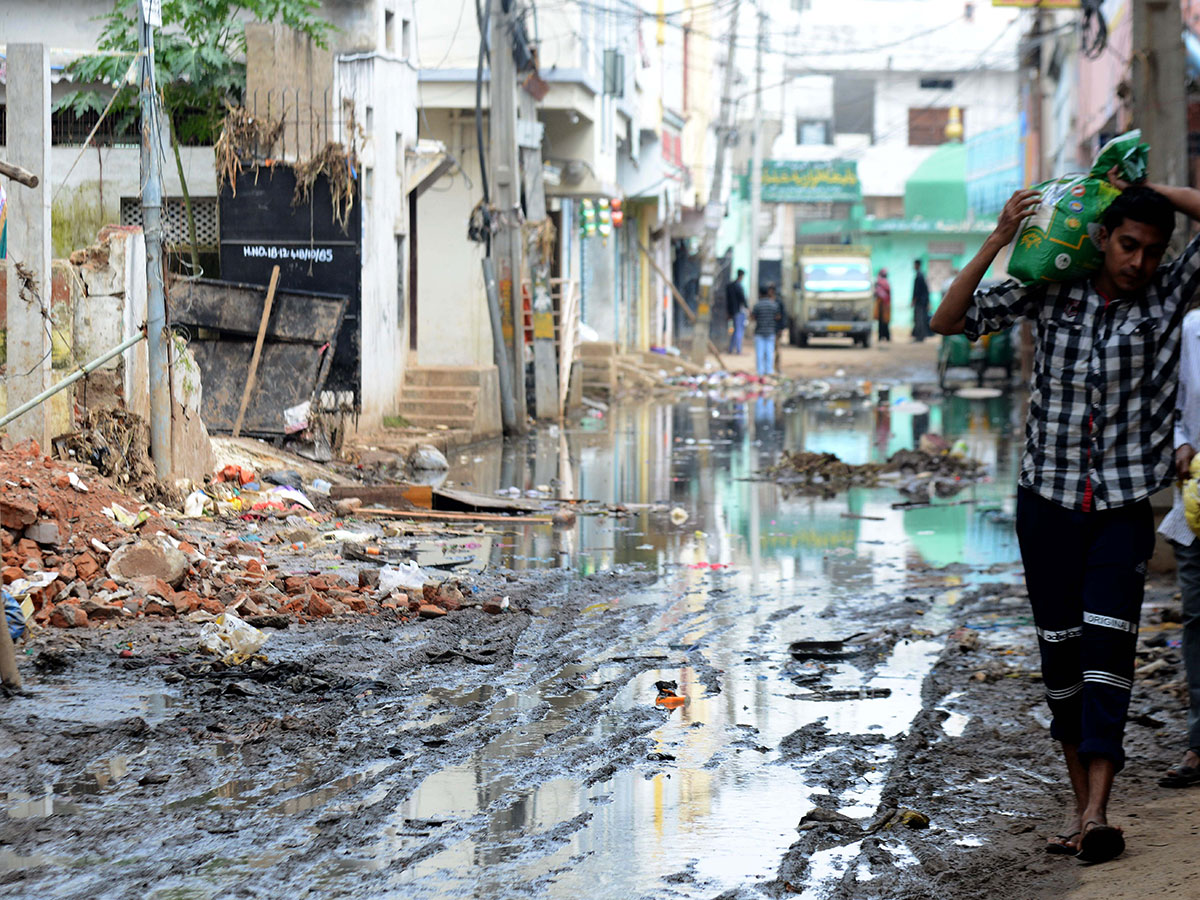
{"x": 1180, "y": 278}
{"x": 997, "y": 308}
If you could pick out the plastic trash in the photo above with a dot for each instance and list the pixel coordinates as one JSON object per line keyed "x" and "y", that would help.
{"x": 76, "y": 483}
{"x": 14, "y": 616}
{"x": 1060, "y": 241}
{"x": 231, "y": 639}
{"x": 290, "y": 493}
{"x": 321, "y": 486}
{"x": 405, "y": 576}
{"x": 283, "y": 478}
{"x": 195, "y": 504}
{"x": 428, "y": 458}
{"x": 1191, "y": 497}
{"x": 679, "y": 515}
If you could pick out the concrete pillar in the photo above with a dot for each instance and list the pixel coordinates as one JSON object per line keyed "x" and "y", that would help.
{"x": 28, "y": 300}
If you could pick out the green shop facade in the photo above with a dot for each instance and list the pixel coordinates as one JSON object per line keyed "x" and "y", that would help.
{"x": 825, "y": 205}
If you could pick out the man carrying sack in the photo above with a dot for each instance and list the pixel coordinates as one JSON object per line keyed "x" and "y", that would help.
{"x": 1099, "y": 442}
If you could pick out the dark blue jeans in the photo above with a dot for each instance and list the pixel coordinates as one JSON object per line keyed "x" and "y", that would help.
{"x": 1189, "y": 586}
{"x": 1086, "y": 576}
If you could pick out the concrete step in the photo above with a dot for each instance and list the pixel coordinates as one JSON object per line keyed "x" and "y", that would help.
{"x": 443, "y": 376}
{"x": 595, "y": 349}
{"x": 431, "y": 422}
{"x": 421, "y": 406}
{"x": 426, "y": 392}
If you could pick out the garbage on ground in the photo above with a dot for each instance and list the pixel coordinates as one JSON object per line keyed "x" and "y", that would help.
{"x": 14, "y": 616}
{"x": 916, "y": 472}
{"x": 425, "y": 457}
{"x": 405, "y": 576}
{"x": 231, "y": 639}
{"x": 678, "y": 515}
{"x": 667, "y": 696}
{"x": 1060, "y": 241}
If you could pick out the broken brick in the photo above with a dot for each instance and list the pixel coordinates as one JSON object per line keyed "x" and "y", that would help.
{"x": 319, "y": 606}
{"x": 86, "y": 566}
{"x": 68, "y": 615}
{"x": 17, "y": 515}
{"x": 429, "y": 611}
{"x": 11, "y": 574}
{"x": 158, "y": 606}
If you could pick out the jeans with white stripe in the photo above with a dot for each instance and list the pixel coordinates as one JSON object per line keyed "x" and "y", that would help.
{"x": 1086, "y": 577}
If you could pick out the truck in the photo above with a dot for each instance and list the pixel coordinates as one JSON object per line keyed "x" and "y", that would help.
{"x": 832, "y": 294}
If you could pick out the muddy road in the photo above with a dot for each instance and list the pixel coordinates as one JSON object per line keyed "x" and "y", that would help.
{"x": 528, "y": 754}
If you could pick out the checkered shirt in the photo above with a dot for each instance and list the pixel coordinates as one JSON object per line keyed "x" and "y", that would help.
{"x": 1102, "y": 401}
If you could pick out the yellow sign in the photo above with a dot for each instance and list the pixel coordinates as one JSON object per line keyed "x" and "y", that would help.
{"x": 1044, "y": 4}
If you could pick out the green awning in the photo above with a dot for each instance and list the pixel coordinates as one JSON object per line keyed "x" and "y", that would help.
{"x": 937, "y": 191}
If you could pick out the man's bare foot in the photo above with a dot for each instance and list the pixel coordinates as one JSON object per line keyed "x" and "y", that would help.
{"x": 1066, "y": 842}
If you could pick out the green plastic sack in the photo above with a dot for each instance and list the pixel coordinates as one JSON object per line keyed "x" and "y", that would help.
{"x": 1060, "y": 241}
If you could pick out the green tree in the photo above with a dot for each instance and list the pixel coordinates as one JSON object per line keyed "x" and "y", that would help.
{"x": 200, "y": 65}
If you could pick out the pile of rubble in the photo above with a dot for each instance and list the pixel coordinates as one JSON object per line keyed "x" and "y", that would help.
{"x": 78, "y": 553}
{"x": 918, "y": 474}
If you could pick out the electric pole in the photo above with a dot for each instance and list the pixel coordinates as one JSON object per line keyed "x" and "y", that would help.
{"x": 713, "y": 210}
{"x": 150, "y": 15}
{"x": 506, "y": 197}
{"x": 756, "y": 160}
{"x": 1160, "y": 91}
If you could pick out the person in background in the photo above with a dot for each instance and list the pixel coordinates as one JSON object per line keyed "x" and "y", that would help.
{"x": 735, "y": 304}
{"x": 1098, "y": 444}
{"x": 1175, "y": 529}
{"x": 768, "y": 319}
{"x": 920, "y": 304}
{"x": 883, "y": 306}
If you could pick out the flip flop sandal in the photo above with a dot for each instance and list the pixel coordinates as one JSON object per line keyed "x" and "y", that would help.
{"x": 1060, "y": 845}
{"x": 1181, "y": 776}
{"x": 1100, "y": 843}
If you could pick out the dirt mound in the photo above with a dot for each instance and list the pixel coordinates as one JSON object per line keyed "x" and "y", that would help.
{"x": 916, "y": 472}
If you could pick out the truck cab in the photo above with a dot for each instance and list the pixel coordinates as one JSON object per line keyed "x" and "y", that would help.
{"x": 833, "y": 294}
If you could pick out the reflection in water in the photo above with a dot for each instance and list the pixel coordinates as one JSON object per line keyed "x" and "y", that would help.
{"x": 704, "y": 456}
{"x": 785, "y": 568}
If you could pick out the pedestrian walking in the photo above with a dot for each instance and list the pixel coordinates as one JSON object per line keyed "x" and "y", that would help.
{"x": 1187, "y": 548}
{"x": 920, "y": 304}
{"x": 883, "y": 306}
{"x": 1098, "y": 443}
{"x": 768, "y": 318}
{"x": 736, "y": 306}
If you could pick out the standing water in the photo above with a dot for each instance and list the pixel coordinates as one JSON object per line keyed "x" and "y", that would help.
{"x": 716, "y": 805}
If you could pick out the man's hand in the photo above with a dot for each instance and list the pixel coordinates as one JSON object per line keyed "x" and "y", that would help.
{"x": 1115, "y": 179}
{"x": 1183, "y": 460}
{"x": 1018, "y": 208}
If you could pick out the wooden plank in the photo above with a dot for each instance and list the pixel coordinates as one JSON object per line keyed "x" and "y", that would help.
{"x": 389, "y": 494}
{"x": 252, "y": 375}
{"x": 450, "y": 516}
{"x": 468, "y": 501}
{"x": 235, "y": 309}
{"x": 712, "y": 348}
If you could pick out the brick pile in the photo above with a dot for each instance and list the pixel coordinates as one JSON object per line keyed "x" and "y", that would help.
{"x": 51, "y": 526}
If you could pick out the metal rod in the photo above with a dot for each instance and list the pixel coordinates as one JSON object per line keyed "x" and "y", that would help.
{"x": 156, "y": 304}
{"x": 85, "y": 369}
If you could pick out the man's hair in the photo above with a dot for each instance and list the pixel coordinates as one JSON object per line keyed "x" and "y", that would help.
{"x": 917, "y": 263}
{"x": 1142, "y": 204}
{"x": 740, "y": 273}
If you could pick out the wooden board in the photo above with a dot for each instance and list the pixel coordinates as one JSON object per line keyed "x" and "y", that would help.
{"x": 469, "y": 501}
{"x": 235, "y": 308}
{"x": 450, "y": 516}
{"x": 386, "y": 494}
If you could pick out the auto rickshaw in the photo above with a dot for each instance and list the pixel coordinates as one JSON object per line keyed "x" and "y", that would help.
{"x": 990, "y": 351}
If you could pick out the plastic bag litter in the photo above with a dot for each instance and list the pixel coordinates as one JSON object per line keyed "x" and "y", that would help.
{"x": 1060, "y": 241}
{"x": 405, "y": 576}
{"x": 14, "y": 616}
{"x": 1191, "y": 496}
{"x": 196, "y": 504}
{"x": 231, "y": 639}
